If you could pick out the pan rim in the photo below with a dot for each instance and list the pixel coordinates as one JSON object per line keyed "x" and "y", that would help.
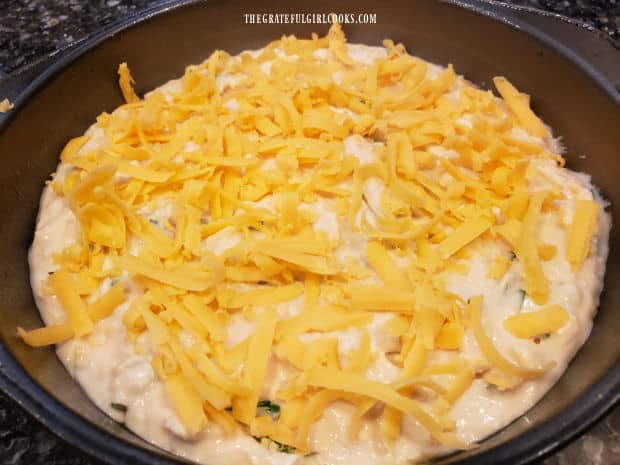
{"x": 71, "y": 427}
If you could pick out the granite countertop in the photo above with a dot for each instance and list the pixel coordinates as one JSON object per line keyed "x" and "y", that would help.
{"x": 31, "y": 29}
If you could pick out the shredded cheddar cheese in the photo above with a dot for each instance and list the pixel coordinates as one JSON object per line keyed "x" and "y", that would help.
{"x": 464, "y": 234}
{"x": 5, "y": 105}
{"x": 52, "y": 334}
{"x": 304, "y": 196}
{"x": 519, "y": 104}
{"x": 581, "y": 232}
{"x": 126, "y": 82}
{"x": 489, "y": 350}
{"x": 531, "y": 324}
{"x": 77, "y": 313}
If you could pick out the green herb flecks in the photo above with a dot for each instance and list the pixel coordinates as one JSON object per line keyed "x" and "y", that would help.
{"x": 285, "y": 448}
{"x": 268, "y": 407}
{"x": 270, "y": 444}
{"x": 119, "y": 407}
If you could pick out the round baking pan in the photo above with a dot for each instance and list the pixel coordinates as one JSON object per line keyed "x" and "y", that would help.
{"x": 481, "y": 39}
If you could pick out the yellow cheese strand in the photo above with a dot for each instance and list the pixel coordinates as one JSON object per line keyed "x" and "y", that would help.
{"x": 221, "y": 417}
{"x": 208, "y": 318}
{"x": 583, "y": 226}
{"x": 100, "y": 177}
{"x": 450, "y": 336}
{"x": 184, "y": 318}
{"x": 487, "y": 348}
{"x": 107, "y": 303}
{"x": 158, "y": 331}
{"x": 125, "y": 81}
{"x": 261, "y": 296}
{"x": 63, "y": 287}
{"x": 379, "y": 298}
{"x": 52, "y": 334}
{"x": 338, "y": 380}
{"x": 182, "y": 276}
{"x": 141, "y": 172}
{"x": 536, "y": 284}
{"x": 387, "y": 270}
{"x": 390, "y": 423}
{"x": 419, "y": 381}
{"x": 519, "y": 104}
{"x": 314, "y": 409}
{"x": 216, "y": 377}
{"x": 187, "y": 404}
{"x": 463, "y": 235}
{"x": 415, "y": 359}
{"x": 306, "y": 261}
{"x": 547, "y": 320}
{"x": 216, "y": 397}
{"x": 72, "y": 148}
{"x": 259, "y": 349}
{"x": 323, "y": 318}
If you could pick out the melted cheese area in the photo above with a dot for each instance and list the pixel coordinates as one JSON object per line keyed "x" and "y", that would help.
{"x": 114, "y": 363}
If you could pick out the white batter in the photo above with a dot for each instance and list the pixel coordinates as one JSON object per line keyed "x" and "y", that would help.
{"x": 111, "y": 372}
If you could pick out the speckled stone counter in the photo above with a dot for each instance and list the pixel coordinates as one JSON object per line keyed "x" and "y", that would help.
{"x": 31, "y": 29}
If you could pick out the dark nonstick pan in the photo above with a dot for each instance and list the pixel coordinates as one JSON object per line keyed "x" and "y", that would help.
{"x": 481, "y": 39}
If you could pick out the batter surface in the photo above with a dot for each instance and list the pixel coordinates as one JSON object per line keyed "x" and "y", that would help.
{"x": 317, "y": 252}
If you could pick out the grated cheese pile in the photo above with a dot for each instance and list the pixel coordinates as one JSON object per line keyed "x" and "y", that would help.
{"x": 5, "y": 105}
{"x": 317, "y": 239}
